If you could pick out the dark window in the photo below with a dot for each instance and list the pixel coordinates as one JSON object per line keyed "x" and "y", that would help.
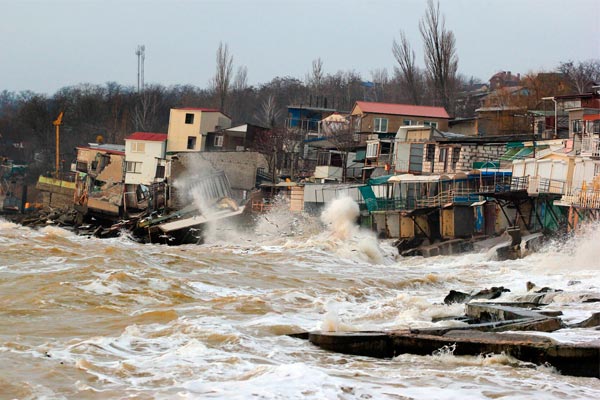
{"x": 337, "y": 160}
{"x": 455, "y": 156}
{"x": 191, "y": 144}
{"x": 189, "y": 118}
{"x": 430, "y": 152}
{"x": 81, "y": 166}
{"x": 160, "y": 171}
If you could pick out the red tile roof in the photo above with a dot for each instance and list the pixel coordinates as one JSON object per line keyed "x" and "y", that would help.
{"x": 402, "y": 109}
{"x": 199, "y": 109}
{"x": 148, "y": 136}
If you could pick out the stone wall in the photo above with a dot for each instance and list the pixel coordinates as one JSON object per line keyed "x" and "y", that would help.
{"x": 470, "y": 153}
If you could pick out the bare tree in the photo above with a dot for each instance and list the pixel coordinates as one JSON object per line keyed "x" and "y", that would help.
{"x": 268, "y": 113}
{"x": 240, "y": 83}
{"x": 222, "y": 79}
{"x": 407, "y": 68}
{"x": 582, "y": 75}
{"x": 441, "y": 60}
{"x": 315, "y": 80}
{"x": 380, "y": 79}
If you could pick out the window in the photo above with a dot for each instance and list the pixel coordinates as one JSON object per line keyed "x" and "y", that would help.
{"x": 430, "y": 123}
{"x": 189, "y": 118}
{"x": 381, "y": 125}
{"x": 455, "y": 156}
{"x": 160, "y": 171}
{"x": 191, "y": 143}
{"x": 138, "y": 147}
{"x": 81, "y": 166}
{"x": 576, "y": 126}
{"x": 593, "y": 126}
{"x": 372, "y": 150}
{"x": 540, "y": 127}
{"x": 323, "y": 158}
{"x": 133, "y": 167}
{"x": 443, "y": 154}
{"x": 219, "y": 141}
{"x": 430, "y": 152}
{"x": 407, "y": 122}
{"x": 337, "y": 160}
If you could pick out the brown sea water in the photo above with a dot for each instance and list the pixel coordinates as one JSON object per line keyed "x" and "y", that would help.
{"x": 84, "y": 318}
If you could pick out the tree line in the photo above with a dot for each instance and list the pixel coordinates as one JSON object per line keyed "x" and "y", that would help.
{"x": 113, "y": 111}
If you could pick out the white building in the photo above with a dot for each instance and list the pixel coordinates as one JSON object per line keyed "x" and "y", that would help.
{"x": 145, "y": 158}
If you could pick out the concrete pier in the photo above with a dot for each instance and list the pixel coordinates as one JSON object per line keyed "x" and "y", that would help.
{"x": 484, "y": 335}
{"x": 569, "y": 359}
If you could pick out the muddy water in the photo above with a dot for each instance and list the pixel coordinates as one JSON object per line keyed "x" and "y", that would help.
{"x": 93, "y": 319}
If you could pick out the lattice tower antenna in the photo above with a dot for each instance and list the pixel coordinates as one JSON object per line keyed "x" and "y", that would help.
{"x": 140, "y": 52}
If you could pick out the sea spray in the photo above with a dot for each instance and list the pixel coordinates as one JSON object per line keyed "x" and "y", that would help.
{"x": 579, "y": 251}
{"x": 345, "y": 236}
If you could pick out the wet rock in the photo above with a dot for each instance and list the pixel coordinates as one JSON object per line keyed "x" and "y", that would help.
{"x": 491, "y": 293}
{"x": 456, "y": 297}
{"x": 531, "y": 287}
{"x": 591, "y": 322}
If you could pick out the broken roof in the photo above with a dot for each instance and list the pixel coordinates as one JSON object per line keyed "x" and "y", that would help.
{"x": 402, "y": 109}
{"x": 107, "y": 148}
{"x": 148, "y": 136}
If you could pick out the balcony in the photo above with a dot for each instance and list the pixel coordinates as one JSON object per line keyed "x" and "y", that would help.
{"x": 304, "y": 125}
{"x": 580, "y": 198}
{"x": 590, "y": 146}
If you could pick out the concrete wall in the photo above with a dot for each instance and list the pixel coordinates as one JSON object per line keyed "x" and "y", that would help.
{"x": 239, "y": 166}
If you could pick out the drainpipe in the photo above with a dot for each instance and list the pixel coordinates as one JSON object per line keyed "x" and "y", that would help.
{"x": 555, "y": 114}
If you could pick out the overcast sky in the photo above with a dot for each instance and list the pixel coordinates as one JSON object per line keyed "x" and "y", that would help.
{"x": 48, "y": 44}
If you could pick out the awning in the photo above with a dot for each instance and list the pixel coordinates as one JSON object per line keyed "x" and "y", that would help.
{"x": 380, "y": 180}
{"x": 510, "y": 153}
{"x": 479, "y": 203}
{"x": 418, "y": 178}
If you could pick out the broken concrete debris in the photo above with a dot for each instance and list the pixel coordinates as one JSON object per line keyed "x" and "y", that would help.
{"x": 486, "y": 330}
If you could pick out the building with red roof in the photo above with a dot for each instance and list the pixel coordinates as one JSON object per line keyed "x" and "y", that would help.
{"x": 387, "y": 118}
{"x": 145, "y": 154}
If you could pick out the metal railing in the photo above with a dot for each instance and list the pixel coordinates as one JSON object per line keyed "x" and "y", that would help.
{"x": 581, "y": 198}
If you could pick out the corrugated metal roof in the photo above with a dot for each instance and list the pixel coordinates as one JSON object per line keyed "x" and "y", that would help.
{"x": 402, "y": 109}
{"x": 148, "y": 136}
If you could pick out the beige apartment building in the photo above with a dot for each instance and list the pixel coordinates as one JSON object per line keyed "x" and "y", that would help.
{"x": 188, "y": 128}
